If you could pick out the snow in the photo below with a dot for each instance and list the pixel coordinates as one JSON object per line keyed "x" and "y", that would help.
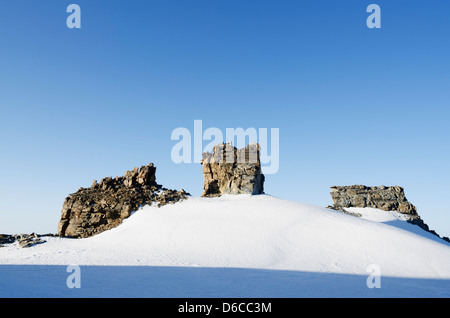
{"x": 237, "y": 246}
{"x": 378, "y": 215}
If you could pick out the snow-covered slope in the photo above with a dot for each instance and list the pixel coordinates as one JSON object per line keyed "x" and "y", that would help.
{"x": 260, "y": 232}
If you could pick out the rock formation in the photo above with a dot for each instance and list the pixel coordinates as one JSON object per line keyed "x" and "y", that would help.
{"x": 105, "y": 204}
{"x": 383, "y": 198}
{"x": 229, "y": 170}
{"x": 6, "y": 239}
{"x": 24, "y": 240}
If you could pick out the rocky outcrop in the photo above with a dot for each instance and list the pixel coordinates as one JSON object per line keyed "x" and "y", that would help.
{"x": 24, "y": 240}
{"x": 382, "y": 197}
{"x": 6, "y": 239}
{"x": 105, "y": 204}
{"x": 228, "y": 170}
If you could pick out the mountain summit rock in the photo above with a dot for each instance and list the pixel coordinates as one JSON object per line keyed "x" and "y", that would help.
{"x": 386, "y": 198}
{"x": 228, "y": 170}
{"x": 105, "y": 204}
{"x": 382, "y": 197}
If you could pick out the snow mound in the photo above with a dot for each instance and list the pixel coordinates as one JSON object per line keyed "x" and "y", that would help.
{"x": 259, "y": 232}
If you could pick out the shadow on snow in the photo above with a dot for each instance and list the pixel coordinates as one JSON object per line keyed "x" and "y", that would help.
{"x": 49, "y": 281}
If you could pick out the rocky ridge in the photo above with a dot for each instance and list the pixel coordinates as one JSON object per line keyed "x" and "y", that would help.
{"x": 227, "y": 170}
{"x": 382, "y": 197}
{"x": 105, "y": 204}
{"x": 386, "y": 198}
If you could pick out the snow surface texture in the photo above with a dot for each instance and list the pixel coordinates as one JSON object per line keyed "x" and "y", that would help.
{"x": 239, "y": 246}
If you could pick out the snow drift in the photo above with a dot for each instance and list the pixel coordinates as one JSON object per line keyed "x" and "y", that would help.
{"x": 257, "y": 232}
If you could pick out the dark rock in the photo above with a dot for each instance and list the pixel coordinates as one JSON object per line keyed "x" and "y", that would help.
{"x": 6, "y": 239}
{"x": 105, "y": 204}
{"x": 24, "y": 240}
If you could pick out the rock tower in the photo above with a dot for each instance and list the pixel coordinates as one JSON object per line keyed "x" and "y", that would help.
{"x": 228, "y": 170}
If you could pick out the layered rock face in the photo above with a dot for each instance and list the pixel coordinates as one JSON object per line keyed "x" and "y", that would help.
{"x": 383, "y": 198}
{"x": 104, "y": 205}
{"x": 229, "y": 170}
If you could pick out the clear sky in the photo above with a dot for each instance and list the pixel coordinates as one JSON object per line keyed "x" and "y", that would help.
{"x": 353, "y": 105}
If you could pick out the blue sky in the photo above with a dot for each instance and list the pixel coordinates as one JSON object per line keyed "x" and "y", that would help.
{"x": 354, "y": 105}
